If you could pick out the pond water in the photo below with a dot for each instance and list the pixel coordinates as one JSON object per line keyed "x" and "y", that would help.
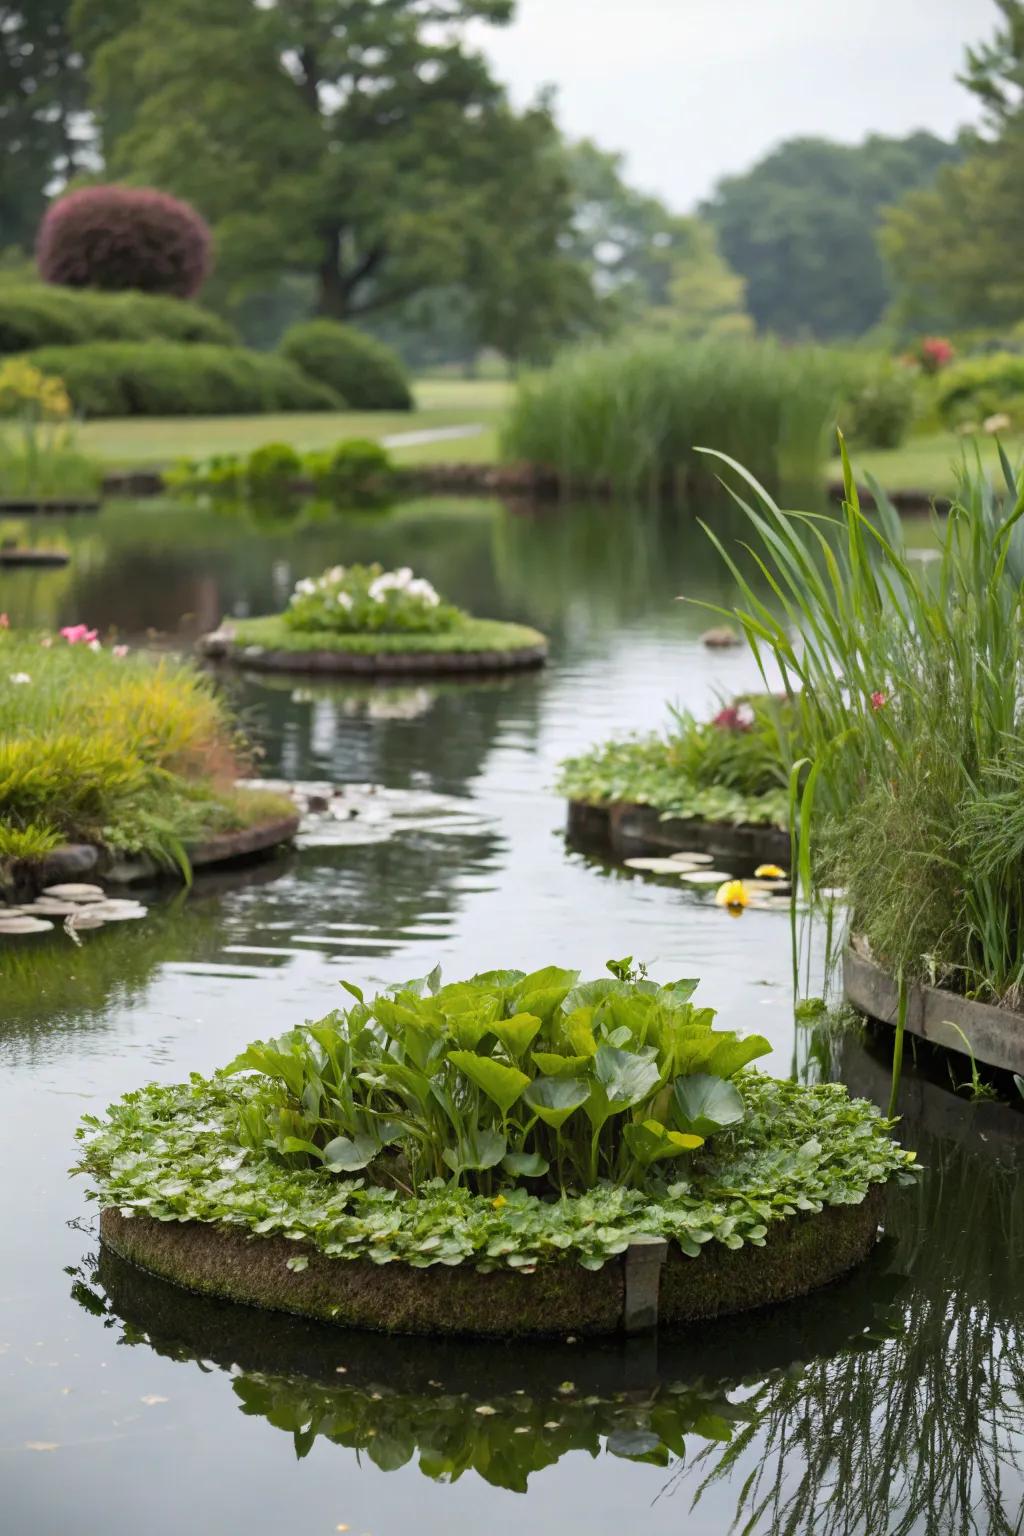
{"x": 891, "y": 1403}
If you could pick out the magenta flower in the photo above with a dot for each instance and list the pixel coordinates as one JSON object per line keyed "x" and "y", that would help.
{"x": 80, "y": 634}
{"x": 879, "y": 700}
{"x": 119, "y": 651}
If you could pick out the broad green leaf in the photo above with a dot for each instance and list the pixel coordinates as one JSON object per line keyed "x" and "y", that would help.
{"x": 705, "y": 1104}
{"x": 525, "y": 1165}
{"x": 554, "y": 1099}
{"x": 650, "y": 1142}
{"x": 347, "y": 1155}
{"x": 501, "y": 1084}
{"x": 297, "y": 1144}
{"x": 552, "y": 1065}
{"x": 516, "y": 1034}
{"x": 502, "y": 980}
{"x": 675, "y": 993}
{"x": 470, "y": 1026}
{"x": 477, "y": 1152}
{"x": 575, "y": 1033}
{"x": 729, "y": 1056}
{"x": 589, "y": 993}
{"x": 626, "y": 1076}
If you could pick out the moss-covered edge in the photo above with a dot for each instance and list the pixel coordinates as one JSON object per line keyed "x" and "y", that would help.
{"x": 485, "y": 645}
{"x": 800, "y": 1255}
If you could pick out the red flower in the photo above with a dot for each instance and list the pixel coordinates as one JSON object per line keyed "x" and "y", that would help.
{"x": 5, "y": 622}
{"x": 879, "y": 700}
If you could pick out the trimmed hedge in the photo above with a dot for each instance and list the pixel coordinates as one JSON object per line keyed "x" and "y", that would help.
{"x": 40, "y": 315}
{"x": 366, "y": 373}
{"x": 110, "y": 378}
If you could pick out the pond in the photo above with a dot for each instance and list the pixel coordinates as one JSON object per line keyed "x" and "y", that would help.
{"x": 892, "y": 1403}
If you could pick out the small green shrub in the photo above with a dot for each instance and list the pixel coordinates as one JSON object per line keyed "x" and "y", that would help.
{"x": 38, "y": 315}
{"x": 164, "y": 378}
{"x": 362, "y": 370}
{"x": 271, "y": 471}
{"x": 980, "y": 387}
{"x": 879, "y": 403}
{"x": 365, "y": 599}
{"x": 356, "y": 473}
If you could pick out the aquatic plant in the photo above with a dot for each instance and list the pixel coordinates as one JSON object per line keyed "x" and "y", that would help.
{"x": 463, "y": 1108}
{"x": 628, "y": 413}
{"x": 732, "y": 768}
{"x": 907, "y": 677}
{"x": 108, "y": 747}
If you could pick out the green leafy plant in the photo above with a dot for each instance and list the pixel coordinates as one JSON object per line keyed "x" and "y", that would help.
{"x": 358, "y": 472}
{"x": 553, "y": 1080}
{"x": 732, "y": 768}
{"x": 366, "y": 599}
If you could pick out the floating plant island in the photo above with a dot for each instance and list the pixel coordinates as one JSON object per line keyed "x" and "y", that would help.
{"x": 366, "y": 621}
{"x": 709, "y": 788}
{"x": 115, "y": 767}
{"x": 514, "y": 1154}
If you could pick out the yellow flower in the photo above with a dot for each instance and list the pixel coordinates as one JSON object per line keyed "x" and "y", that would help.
{"x": 499, "y": 1203}
{"x": 733, "y": 894}
{"x": 769, "y": 872}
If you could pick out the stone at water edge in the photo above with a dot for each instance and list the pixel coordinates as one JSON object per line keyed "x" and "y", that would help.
{"x": 686, "y": 856}
{"x": 705, "y": 877}
{"x": 116, "y": 911}
{"x": 73, "y": 891}
{"x": 720, "y": 638}
{"x": 19, "y": 923}
{"x": 85, "y": 918}
{"x": 50, "y": 906}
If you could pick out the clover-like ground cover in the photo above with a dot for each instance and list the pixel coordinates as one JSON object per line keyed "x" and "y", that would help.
{"x": 507, "y": 1122}
{"x": 732, "y": 769}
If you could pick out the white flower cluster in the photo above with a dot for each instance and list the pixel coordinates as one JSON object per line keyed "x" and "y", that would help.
{"x": 402, "y": 581}
{"x": 405, "y": 582}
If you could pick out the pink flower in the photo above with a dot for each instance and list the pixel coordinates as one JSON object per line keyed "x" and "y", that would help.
{"x": 80, "y": 634}
{"x": 46, "y": 642}
{"x": 5, "y": 622}
{"x": 734, "y": 717}
{"x": 119, "y": 651}
{"x": 879, "y": 700}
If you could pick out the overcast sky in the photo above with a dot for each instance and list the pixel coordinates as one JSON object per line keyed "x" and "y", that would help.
{"x": 694, "y": 89}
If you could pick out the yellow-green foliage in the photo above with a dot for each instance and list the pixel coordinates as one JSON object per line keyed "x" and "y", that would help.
{"x": 112, "y": 748}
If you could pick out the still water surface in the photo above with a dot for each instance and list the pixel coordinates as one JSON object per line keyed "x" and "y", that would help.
{"x": 890, "y": 1404}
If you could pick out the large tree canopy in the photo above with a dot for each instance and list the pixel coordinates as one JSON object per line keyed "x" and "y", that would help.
{"x": 801, "y": 226}
{"x": 956, "y": 249}
{"x": 42, "y": 96}
{"x": 360, "y": 140}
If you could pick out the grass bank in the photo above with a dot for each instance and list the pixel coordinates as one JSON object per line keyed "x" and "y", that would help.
{"x": 122, "y": 751}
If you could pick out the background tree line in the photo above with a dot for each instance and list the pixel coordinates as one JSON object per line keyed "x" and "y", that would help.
{"x": 358, "y": 159}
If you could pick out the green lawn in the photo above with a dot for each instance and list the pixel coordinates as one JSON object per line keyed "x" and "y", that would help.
{"x": 159, "y": 440}
{"x": 926, "y": 463}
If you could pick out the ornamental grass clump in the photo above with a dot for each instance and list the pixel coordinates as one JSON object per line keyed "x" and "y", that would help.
{"x": 366, "y": 599}
{"x": 38, "y": 451}
{"x": 504, "y": 1121}
{"x": 104, "y": 746}
{"x": 907, "y": 676}
{"x": 732, "y": 768}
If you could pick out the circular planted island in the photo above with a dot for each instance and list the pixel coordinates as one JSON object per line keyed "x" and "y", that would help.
{"x": 365, "y": 621}
{"x": 514, "y": 1154}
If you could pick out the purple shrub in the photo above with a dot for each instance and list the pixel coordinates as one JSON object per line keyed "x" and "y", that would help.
{"x": 117, "y": 237}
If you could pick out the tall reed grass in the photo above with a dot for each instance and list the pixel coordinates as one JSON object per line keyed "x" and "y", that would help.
{"x": 908, "y": 675}
{"x": 627, "y": 414}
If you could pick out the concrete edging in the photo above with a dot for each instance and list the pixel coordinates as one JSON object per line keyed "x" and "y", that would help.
{"x": 630, "y": 830}
{"x": 652, "y": 1283}
{"x": 993, "y": 1035}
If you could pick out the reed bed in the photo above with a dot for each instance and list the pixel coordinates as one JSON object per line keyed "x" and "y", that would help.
{"x": 626, "y": 415}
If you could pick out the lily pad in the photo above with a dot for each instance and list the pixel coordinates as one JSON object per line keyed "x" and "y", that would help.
{"x": 19, "y": 922}
{"x": 686, "y": 856}
{"x": 73, "y": 891}
{"x": 656, "y": 866}
{"x": 704, "y": 876}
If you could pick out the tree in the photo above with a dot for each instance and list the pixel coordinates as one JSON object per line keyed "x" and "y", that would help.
{"x": 359, "y": 140}
{"x": 42, "y": 100}
{"x": 705, "y": 296}
{"x": 956, "y": 250}
{"x": 800, "y": 227}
